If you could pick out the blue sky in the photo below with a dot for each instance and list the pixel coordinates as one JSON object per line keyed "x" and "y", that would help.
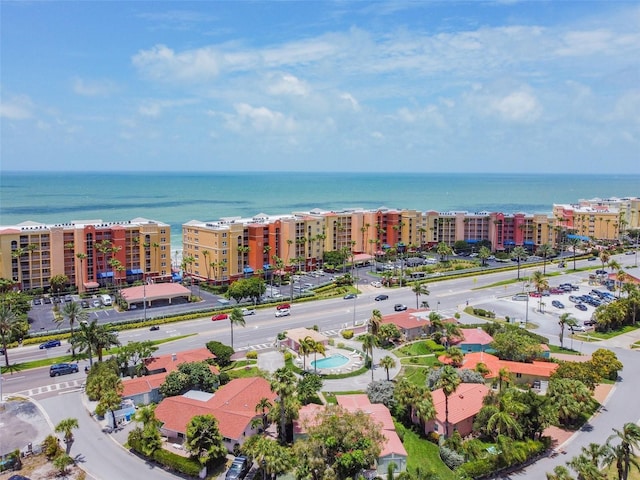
{"x": 413, "y": 86}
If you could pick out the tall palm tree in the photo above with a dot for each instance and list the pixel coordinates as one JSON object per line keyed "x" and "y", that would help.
{"x": 8, "y": 326}
{"x": 626, "y": 450}
{"x": 74, "y": 313}
{"x": 585, "y": 468}
{"x": 66, "y": 427}
{"x": 80, "y": 282}
{"x": 369, "y": 341}
{"x": 105, "y": 338}
{"x": 387, "y": 362}
{"x": 545, "y": 251}
{"x": 305, "y": 347}
{"x": 283, "y": 384}
{"x": 419, "y": 288}
{"x": 519, "y": 253}
{"x": 263, "y": 406}
{"x": 236, "y": 318}
{"x": 18, "y": 253}
{"x": 560, "y": 473}
{"x": 483, "y": 254}
{"x": 374, "y": 322}
{"x": 574, "y": 243}
{"x": 448, "y": 382}
{"x": 565, "y": 320}
{"x": 86, "y": 338}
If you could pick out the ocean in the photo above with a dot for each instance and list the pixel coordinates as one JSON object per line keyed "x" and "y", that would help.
{"x": 176, "y": 198}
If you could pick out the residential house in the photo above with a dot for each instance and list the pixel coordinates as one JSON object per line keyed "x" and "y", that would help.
{"x": 233, "y": 405}
{"x": 294, "y": 336}
{"x": 473, "y": 340}
{"x": 464, "y": 405}
{"x": 392, "y": 451}
{"x": 146, "y": 389}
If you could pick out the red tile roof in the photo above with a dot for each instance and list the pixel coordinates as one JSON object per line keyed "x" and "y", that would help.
{"x": 412, "y": 318}
{"x": 465, "y": 403}
{"x": 233, "y": 405}
{"x": 494, "y": 364}
{"x": 139, "y": 385}
{"x": 475, "y": 336}
{"x": 172, "y": 361}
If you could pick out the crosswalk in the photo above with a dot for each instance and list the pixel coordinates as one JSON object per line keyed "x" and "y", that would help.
{"x": 55, "y": 388}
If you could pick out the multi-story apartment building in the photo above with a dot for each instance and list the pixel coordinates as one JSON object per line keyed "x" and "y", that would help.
{"x": 89, "y": 253}
{"x": 602, "y": 222}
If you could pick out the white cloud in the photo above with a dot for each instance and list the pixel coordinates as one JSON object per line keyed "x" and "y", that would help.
{"x": 17, "y": 107}
{"x": 352, "y": 101}
{"x": 260, "y": 119}
{"x": 154, "y": 108}
{"x": 287, "y": 84}
{"x": 162, "y": 63}
{"x": 93, "y": 88}
{"x": 520, "y": 106}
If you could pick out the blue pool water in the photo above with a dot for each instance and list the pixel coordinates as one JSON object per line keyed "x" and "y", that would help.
{"x": 334, "y": 361}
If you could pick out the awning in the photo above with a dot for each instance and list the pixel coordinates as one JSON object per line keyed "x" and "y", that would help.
{"x": 266, "y": 266}
{"x": 91, "y": 284}
{"x": 472, "y": 240}
{"x": 509, "y": 242}
{"x": 579, "y": 237}
{"x": 386, "y": 246}
{"x": 105, "y": 274}
{"x": 529, "y": 242}
{"x": 135, "y": 271}
{"x": 247, "y": 270}
{"x": 176, "y": 277}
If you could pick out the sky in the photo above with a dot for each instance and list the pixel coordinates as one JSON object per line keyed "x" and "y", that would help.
{"x": 337, "y": 86}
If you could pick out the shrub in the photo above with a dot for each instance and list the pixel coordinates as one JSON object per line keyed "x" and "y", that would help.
{"x": 51, "y": 447}
{"x": 188, "y": 466}
{"x": 221, "y": 351}
{"x": 347, "y": 334}
{"x": 451, "y": 458}
{"x": 252, "y": 355}
{"x": 434, "y": 346}
{"x": 478, "y": 468}
{"x": 433, "y": 437}
{"x": 288, "y": 356}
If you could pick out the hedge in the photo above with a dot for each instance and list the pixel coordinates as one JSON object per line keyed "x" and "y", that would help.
{"x": 185, "y": 465}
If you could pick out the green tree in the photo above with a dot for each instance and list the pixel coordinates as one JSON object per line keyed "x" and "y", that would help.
{"x": 375, "y": 320}
{"x": 369, "y": 341}
{"x": 519, "y": 253}
{"x": 574, "y": 243}
{"x": 419, "y": 288}
{"x": 512, "y": 344}
{"x": 387, "y": 362}
{"x": 189, "y": 376}
{"x": 571, "y": 398}
{"x": 606, "y": 364}
{"x": 73, "y": 312}
{"x": 585, "y": 468}
{"x": 263, "y": 406}
{"x": 236, "y": 318}
{"x": 146, "y": 438}
{"x": 506, "y": 421}
{"x": 221, "y": 351}
{"x": 565, "y": 320}
{"x": 545, "y": 251}
{"x": 444, "y": 251}
{"x": 283, "y": 384}
{"x": 61, "y": 462}
{"x": 273, "y": 459}
{"x": 483, "y": 254}
{"x": 106, "y": 337}
{"x": 625, "y": 452}
{"x": 448, "y": 382}
{"x": 560, "y": 473}
{"x": 9, "y": 325}
{"x": 85, "y": 339}
{"x": 338, "y": 444}
{"x": 66, "y": 427}
{"x": 204, "y": 441}
{"x": 58, "y": 283}
{"x": 131, "y": 356}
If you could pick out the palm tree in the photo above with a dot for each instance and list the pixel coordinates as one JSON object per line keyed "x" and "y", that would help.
{"x": 560, "y": 473}
{"x": 625, "y": 451}
{"x": 374, "y": 322}
{"x": 369, "y": 341}
{"x": 205, "y": 254}
{"x": 387, "y": 362}
{"x": 574, "y": 243}
{"x": 306, "y": 346}
{"x": 519, "y": 253}
{"x": 545, "y": 251}
{"x": 105, "y": 338}
{"x": 9, "y": 323}
{"x": 504, "y": 376}
{"x": 80, "y": 283}
{"x": 483, "y": 254}
{"x": 565, "y": 320}
{"x": 73, "y": 312}
{"x": 262, "y": 406}
{"x": 585, "y": 468}
{"x": 419, "y": 288}
{"x": 86, "y": 339}
{"x": 236, "y": 318}
{"x": 455, "y": 355}
{"x": 66, "y": 427}
{"x": 448, "y": 382}
{"x": 18, "y": 253}
{"x": 604, "y": 258}
{"x": 283, "y": 384}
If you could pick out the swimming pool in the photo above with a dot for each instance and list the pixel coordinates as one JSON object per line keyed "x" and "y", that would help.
{"x": 334, "y": 361}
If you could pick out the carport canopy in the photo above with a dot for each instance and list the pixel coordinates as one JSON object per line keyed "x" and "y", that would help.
{"x": 154, "y": 291}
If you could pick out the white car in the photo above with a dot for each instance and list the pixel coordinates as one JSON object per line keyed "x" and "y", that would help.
{"x": 285, "y": 312}
{"x": 376, "y": 284}
{"x": 247, "y": 311}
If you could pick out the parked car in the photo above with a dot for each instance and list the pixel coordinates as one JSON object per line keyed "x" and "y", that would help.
{"x": 155, "y": 328}
{"x": 556, "y": 291}
{"x": 381, "y": 297}
{"x": 283, "y": 312}
{"x": 68, "y": 298}
{"x": 376, "y": 284}
{"x": 535, "y": 294}
{"x": 574, "y": 299}
{"x": 590, "y": 323}
{"x": 248, "y": 311}
{"x": 84, "y": 304}
{"x": 37, "y": 301}
{"x": 520, "y": 297}
{"x": 592, "y": 259}
{"x": 581, "y": 306}
{"x": 238, "y": 469}
{"x": 350, "y": 296}
{"x": 557, "y": 304}
{"x": 50, "y": 344}
{"x": 399, "y": 307}
{"x": 96, "y": 303}
{"x": 601, "y": 272}
{"x": 283, "y": 306}
{"x": 62, "y": 369}
{"x": 219, "y": 316}
{"x": 577, "y": 328}
{"x": 46, "y": 300}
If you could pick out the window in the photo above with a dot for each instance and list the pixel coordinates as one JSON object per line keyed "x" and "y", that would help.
{"x": 518, "y": 375}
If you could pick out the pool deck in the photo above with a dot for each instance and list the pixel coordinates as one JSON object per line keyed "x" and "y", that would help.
{"x": 355, "y": 361}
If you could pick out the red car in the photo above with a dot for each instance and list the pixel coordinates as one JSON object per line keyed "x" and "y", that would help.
{"x": 220, "y": 316}
{"x": 535, "y": 294}
{"x": 283, "y": 306}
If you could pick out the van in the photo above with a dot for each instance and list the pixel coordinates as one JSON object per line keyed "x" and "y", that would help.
{"x": 106, "y": 300}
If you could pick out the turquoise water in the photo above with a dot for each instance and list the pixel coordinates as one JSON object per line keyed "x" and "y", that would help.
{"x": 175, "y": 199}
{"x": 334, "y": 361}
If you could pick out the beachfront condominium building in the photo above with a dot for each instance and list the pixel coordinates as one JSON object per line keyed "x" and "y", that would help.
{"x": 90, "y": 253}
{"x": 590, "y": 220}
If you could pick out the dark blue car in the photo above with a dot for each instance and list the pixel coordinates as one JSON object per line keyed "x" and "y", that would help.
{"x": 50, "y": 344}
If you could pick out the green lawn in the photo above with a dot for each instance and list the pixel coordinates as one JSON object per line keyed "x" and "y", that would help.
{"x": 614, "y": 333}
{"x": 416, "y": 375}
{"x": 416, "y": 348}
{"x": 424, "y": 454}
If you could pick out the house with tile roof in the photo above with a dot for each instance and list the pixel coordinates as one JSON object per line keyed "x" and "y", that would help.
{"x": 464, "y": 405}
{"x": 522, "y": 372}
{"x": 413, "y": 324}
{"x": 473, "y": 340}
{"x": 294, "y": 336}
{"x": 146, "y": 389}
{"x": 393, "y": 450}
{"x": 233, "y": 405}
